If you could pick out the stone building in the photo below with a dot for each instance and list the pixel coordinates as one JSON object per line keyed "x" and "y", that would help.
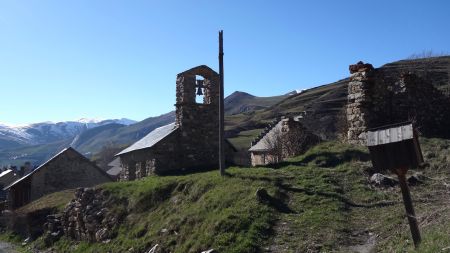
{"x": 191, "y": 142}
{"x": 6, "y": 178}
{"x": 66, "y": 170}
{"x": 282, "y": 139}
{"x": 376, "y": 98}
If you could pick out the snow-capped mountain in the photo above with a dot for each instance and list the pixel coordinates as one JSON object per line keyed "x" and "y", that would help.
{"x": 45, "y": 132}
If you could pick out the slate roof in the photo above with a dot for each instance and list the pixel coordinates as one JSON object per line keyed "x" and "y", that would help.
{"x": 115, "y": 167}
{"x": 5, "y": 172}
{"x": 115, "y": 162}
{"x": 263, "y": 144}
{"x": 114, "y": 171}
{"x": 7, "y": 177}
{"x": 150, "y": 139}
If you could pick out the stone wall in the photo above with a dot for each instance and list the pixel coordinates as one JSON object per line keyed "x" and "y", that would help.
{"x": 194, "y": 144}
{"x": 359, "y": 101}
{"x": 67, "y": 171}
{"x": 87, "y": 217}
{"x": 283, "y": 139}
{"x": 198, "y": 122}
{"x": 376, "y": 99}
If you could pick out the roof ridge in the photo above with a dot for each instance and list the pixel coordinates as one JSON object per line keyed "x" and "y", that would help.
{"x": 269, "y": 128}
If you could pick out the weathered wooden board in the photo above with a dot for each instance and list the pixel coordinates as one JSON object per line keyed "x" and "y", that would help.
{"x": 394, "y": 147}
{"x": 390, "y": 135}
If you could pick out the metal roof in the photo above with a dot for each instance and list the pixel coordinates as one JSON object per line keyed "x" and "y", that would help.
{"x": 151, "y": 139}
{"x": 264, "y": 143}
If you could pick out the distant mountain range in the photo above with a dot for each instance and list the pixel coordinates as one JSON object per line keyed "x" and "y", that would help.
{"x": 38, "y": 142}
{"x": 323, "y": 106}
{"x": 46, "y": 132}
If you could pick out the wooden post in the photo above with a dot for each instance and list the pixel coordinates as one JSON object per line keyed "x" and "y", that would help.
{"x": 221, "y": 109}
{"x": 401, "y": 173}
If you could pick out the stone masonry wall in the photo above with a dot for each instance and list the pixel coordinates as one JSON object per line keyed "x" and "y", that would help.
{"x": 67, "y": 171}
{"x": 87, "y": 217}
{"x": 194, "y": 144}
{"x": 376, "y": 99}
{"x": 198, "y": 122}
{"x": 359, "y": 101}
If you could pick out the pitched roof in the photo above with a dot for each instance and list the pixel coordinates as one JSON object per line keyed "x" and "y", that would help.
{"x": 150, "y": 139}
{"x": 264, "y": 143}
{"x": 115, "y": 167}
{"x": 115, "y": 162}
{"x": 5, "y": 172}
{"x": 114, "y": 171}
{"x": 50, "y": 160}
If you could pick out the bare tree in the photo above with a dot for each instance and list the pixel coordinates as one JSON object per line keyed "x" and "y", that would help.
{"x": 106, "y": 154}
{"x": 274, "y": 144}
{"x": 289, "y": 140}
{"x": 426, "y": 54}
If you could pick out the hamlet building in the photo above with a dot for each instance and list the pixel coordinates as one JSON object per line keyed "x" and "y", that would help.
{"x": 282, "y": 139}
{"x": 191, "y": 142}
{"x": 66, "y": 170}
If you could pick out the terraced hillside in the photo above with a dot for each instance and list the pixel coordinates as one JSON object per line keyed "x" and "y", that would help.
{"x": 324, "y": 104}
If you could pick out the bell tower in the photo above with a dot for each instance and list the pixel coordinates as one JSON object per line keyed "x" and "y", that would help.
{"x": 198, "y": 120}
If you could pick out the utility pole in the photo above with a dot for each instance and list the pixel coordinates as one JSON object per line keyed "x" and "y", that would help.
{"x": 221, "y": 109}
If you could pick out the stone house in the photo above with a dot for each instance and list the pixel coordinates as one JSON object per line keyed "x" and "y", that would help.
{"x": 282, "y": 139}
{"x": 191, "y": 142}
{"x": 66, "y": 170}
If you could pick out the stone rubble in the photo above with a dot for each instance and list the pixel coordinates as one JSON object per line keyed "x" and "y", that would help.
{"x": 85, "y": 218}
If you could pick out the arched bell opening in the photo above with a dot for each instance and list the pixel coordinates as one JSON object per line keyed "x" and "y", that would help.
{"x": 200, "y": 89}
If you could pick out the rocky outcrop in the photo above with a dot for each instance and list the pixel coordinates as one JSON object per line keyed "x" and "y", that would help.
{"x": 88, "y": 218}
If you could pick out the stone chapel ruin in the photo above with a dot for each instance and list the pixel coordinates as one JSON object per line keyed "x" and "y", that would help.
{"x": 191, "y": 142}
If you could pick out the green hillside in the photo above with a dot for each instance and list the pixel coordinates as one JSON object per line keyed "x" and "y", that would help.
{"x": 318, "y": 202}
{"x": 324, "y": 105}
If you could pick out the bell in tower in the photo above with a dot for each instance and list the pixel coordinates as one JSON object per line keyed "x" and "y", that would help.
{"x": 200, "y": 86}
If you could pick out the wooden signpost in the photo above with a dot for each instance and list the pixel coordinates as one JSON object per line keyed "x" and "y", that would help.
{"x": 396, "y": 147}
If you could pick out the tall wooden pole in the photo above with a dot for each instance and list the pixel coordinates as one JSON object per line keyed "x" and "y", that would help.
{"x": 415, "y": 232}
{"x": 221, "y": 109}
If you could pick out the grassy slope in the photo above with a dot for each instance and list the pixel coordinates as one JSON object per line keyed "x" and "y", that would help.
{"x": 56, "y": 200}
{"x": 320, "y": 201}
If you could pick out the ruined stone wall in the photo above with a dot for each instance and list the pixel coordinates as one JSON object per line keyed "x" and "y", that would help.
{"x": 376, "y": 99}
{"x": 67, "y": 171}
{"x": 88, "y": 217}
{"x": 359, "y": 101}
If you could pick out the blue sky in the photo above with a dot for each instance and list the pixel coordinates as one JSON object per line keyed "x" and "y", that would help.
{"x": 64, "y": 60}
